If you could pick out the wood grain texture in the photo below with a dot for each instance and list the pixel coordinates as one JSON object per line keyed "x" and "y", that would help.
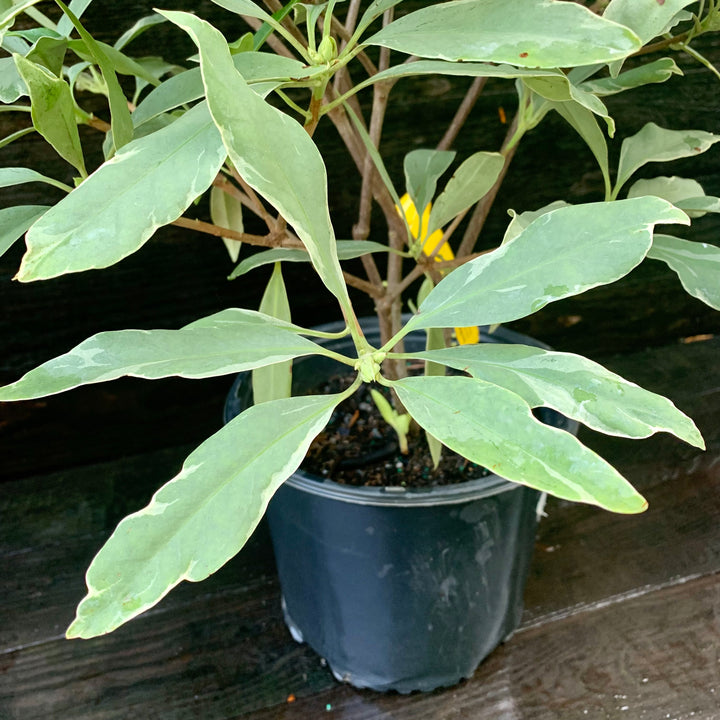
{"x": 652, "y": 656}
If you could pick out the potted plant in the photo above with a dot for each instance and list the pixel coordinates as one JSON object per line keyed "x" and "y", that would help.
{"x": 238, "y": 123}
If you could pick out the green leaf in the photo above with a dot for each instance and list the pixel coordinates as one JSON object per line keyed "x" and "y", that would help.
{"x": 121, "y": 64}
{"x": 440, "y": 67}
{"x": 673, "y": 189}
{"x": 527, "y": 33}
{"x": 215, "y": 346}
{"x": 573, "y": 385}
{"x": 373, "y": 11}
{"x": 399, "y": 422}
{"x": 9, "y": 10}
{"x": 696, "y": 264}
{"x": 346, "y": 250}
{"x": 656, "y": 144}
{"x": 203, "y": 516}
{"x": 50, "y": 53}
{"x": 495, "y": 428}
{"x": 270, "y": 150}
{"x": 17, "y": 176}
{"x": 562, "y": 253}
{"x": 559, "y": 89}
{"x": 521, "y": 220}
{"x": 423, "y": 168}
{"x": 583, "y": 121}
{"x": 148, "y": 184}
{"x": 226, "y": 211}
{"x": 242, "y": 7}
{"x": 470, "y": 182}
{"x": 137, "y": 29}
{"x": 435, "y": 340}
{"x": 239, "y": 317}
{"x": 122, "y": 128}
{"x": 12, "y": 86}
{"x": 274, "y": 381}
{"x": 647, "y": 18}
{"x": 14, "y": 222}
{"x": 16, "y": 136}
{"x": 53, "y": 111}
{"x": 262, "y": 71}
{"x": 375, "y": 156}
{"x": 699, "y": 205}
{"x": 78, "y": 7}
{"x": 655, "y": 72}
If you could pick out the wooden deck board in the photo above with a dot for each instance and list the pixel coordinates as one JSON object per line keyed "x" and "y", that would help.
{"x": 621, "y": 612}
{"x": 654, "y": 656}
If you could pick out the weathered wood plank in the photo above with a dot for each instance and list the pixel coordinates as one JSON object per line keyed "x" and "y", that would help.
{"x": 652, "y": 656}
{"x": 52, "y": 526}
{"x": 584, "y": 556}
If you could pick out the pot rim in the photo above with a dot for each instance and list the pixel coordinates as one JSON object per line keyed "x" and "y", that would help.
{"x": 396, "y": 495}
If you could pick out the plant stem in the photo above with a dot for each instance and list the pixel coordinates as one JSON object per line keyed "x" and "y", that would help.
{"x": 702, "y": 60}
{"x": 271, "y": 240}
{"x": 98, "y": 124}
{"x": 352, "y": 16}
{"x": 462, "y": 113}
{"x": 361, "y": 229}
{"x": 362, "y": 57}
{"x": 292, "y": 104}
{"x": 367, "y": 287}
{"x": 288, "y": 28}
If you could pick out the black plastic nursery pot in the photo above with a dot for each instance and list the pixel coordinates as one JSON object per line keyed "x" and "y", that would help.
{"x": 400, "y": 589}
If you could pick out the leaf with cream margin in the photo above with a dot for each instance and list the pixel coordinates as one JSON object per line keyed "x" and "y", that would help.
{"x": 53, "y": 111}
{"x": 470, "y": 182}
{"x": 525, "y": 33}
{"x": 149, "y": 183}
{"x": 559, "y": 89}
{"x": 656, "y": 144}
{"x": 696, "y": 264}
{"x": 673, "y": 189}
{"x": 705, "y": 204}
{"x": 586, "y": 125}
{"x": 122, "y": 129}
{"x": 495, "y": 428}
{"x": 201, "y": 518}
{"x": 270, "y": 150}
{"x": 219, "y": 345}
{"x": 562, "y": 253}
{"x": 521, "y": 220}
{"x": 263, "y": 72}
{"x": 647, "y": 18}
{"x": 10, "y": 176}
{"x": 655, "y": 72}
{"x": 14, "y": 221}
{"x": 423, "y": 168}
{"x": 573, "y": 385}
{"x": 226, "y": 211}
{"x": 273, "y": 382}
{"x": 346, "y": 250}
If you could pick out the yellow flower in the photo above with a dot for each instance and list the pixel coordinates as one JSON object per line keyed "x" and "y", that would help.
{"x": 466, "y": 335}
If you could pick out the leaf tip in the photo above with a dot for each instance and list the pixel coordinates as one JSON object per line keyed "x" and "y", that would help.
{"x": 74, "y": 632}
{"x": 633, "y": 505}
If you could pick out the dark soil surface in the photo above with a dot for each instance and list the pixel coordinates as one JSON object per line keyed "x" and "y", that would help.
{"x": 358, "y": 448}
